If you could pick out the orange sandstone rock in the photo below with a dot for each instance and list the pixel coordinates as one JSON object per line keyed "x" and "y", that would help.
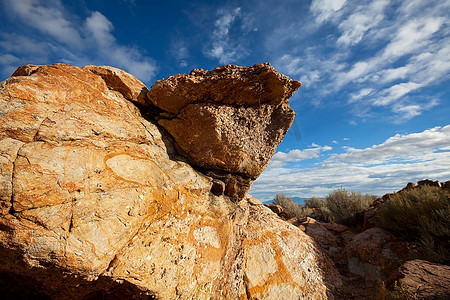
{"x": 92, "y": 204}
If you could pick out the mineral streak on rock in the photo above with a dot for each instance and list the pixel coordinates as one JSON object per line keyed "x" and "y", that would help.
{"x": 92, "y": 204}
{"x": 229, "y": 120}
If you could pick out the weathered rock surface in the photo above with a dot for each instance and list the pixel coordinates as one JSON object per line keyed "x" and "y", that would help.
{"x": 331, "y": 238}
{"x": 420, "y": 279}
{"x": 375, "y": 253}
{"x": 92, "y": 205}
{"x": 227, "y": 121}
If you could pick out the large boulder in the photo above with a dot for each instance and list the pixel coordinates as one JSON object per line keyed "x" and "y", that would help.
{"x": 331, "y": 238}
{"x": 375, "y": 253}
{"x": 96, "y": 204}
{"x": 227, "y": 122}
{"x": 420, "y": 279}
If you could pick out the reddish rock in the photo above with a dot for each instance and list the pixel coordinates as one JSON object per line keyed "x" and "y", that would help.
{"x": 275, "y": 208}
{"x": 229, "y": 85}
{"x": 420, "y": 279}
{"x": 295, "y": 221}
{"x": 447, "y": 184}
{"x": 329, "y": 237}
{"x": 370, "y": 219}
{"x": 429, "y": 183}
{"x": 411, "y": 185}
{"x": 375, "y": 253}
{"x": 321, "y": 235}
{"x": 335, "y": 227}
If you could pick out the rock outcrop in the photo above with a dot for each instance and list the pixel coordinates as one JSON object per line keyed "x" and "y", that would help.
{"x": 375, "y": 253}
{"x": 227, "y": 122}
{"x": 95, "y": 201}
{"x": 420, "y": 279}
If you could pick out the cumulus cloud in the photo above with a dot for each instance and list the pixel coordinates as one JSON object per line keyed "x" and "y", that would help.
{"x": 70, "y": 39}
{"x": 378, "y": 169}
{"x": 295, "y": 155}
{"x": 409, "y": 145}
{"x": 49, "y": 18}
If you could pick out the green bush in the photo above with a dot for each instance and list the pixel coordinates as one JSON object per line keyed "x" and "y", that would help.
{"x": 421, "y": 215}
{"x": 347, "y": 208}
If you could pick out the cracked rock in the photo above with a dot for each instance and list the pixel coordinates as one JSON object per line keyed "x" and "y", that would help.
{"x": 93, "y": 203}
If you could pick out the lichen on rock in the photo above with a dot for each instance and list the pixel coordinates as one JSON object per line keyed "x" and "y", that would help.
{"x": 95, "y": 201}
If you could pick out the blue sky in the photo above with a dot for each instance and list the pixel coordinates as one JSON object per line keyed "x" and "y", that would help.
{"x": 372, "y": 114}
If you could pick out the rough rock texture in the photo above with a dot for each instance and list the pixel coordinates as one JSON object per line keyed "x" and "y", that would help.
{"x": 331, "y": 238}
{"x": 93, "y": 205}
{"x": 120, "y": 81}
{"x": 420, "y": 279}
{"x": 375, "y": 253}
{"x": 228, "y": 121}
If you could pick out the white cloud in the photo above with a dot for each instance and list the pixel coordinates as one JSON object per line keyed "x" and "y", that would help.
{"x": 49, "y": 18}
{"x": 223, "y": 47}
{"x": 411, "y": 36}
{"x": 66, "y": 37}
{"x": 300, "y": 67}
{"x": 100, "y": 28}
{"x": 325, "y": 9}
{"x": 395, "y": 92}
{"x": 358, "y": 23}
{"x": 416, "y": 40}
{"x": 361, "y": 94}
{"x": 405, "y": 146}
{"x": 379, "y": 169}
{"x": 122, "y": 56}
{"x": 180, "y": 51}
{"x": 7, "y": 59}
{"x": 295, "y": 155}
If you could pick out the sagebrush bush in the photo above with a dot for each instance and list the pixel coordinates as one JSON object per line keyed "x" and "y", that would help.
{"x": 339, "y": 206}
{"x": 421, "y": 215}
{"x": 290, "y": 207}
{"x": 317, "y": 209}
{"x": 347, "y": 208}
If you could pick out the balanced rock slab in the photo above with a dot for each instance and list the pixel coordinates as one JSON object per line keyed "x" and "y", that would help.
{"x": 93, "y": 205}
{"x": 229, "y": 120}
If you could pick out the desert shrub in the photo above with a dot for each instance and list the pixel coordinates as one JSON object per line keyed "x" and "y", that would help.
{"x": 317, "y": 209}
{"x": 290, "y": 207}
{"x": 398, "y": 292}
{"x": 347, "y": 208}
{"x": 421, "y": 215}
{"x": 315, "y": 202}
{"x": 339, "y": 206}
